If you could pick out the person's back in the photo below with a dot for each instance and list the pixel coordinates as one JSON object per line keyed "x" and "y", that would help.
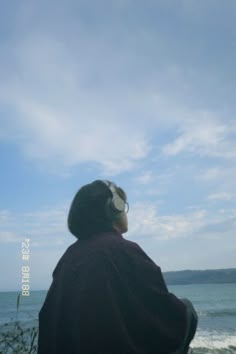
{"x": 107, "y": 295}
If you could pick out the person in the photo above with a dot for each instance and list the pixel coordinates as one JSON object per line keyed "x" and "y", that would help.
{"x": 107, "y": 295}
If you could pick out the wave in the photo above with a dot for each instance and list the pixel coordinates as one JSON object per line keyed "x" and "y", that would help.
{"x": 218, "y": 313}
{"x": 215, "y": 341}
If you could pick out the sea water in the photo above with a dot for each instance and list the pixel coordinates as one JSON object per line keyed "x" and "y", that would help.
{"x": 215, "y": 305}
{"x": 216, "y": 308}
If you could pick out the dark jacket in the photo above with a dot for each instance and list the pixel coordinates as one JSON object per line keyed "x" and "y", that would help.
{"x": 108, "y": 297}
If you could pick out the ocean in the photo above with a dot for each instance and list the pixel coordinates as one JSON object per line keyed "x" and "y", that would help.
{"x": 215, "y": 305}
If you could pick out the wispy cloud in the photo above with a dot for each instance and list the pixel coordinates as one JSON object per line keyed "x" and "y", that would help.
{"x": 61, "y": 121}
{"x": 144, "y": 178}
{"x": 80, "y": 98}
{"x": 220, "y": 196}
{"x": 43, "y": 227}
{"x": 4, "y": 215}
{"x": 204, "y": 136}
{"x": 211, "y": 173}
{"x": 221, "y": 181}
{"x": 147, "y": 223}
{"x": 8, "y": 237}
{"x": 110, "y": 90}
{"x": 48, "y": 226}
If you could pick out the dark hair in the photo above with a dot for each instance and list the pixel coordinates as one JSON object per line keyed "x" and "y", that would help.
{"x": 87, "y": 211}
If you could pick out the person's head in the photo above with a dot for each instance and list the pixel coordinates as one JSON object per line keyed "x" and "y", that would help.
{"x": 99, "y": 206}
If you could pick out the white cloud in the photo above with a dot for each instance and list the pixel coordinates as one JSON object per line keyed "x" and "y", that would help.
{"x": 48, "y": 226}
{"x": 44, "y": 227}
{"x": 144, "y": 178}
{"x": 9, "y": 237}
{"x": 4, "y": 215}
{"x": 152, "y": 177}
{"x": 85, "y": 98}
{"x": 203, "y": 136}
{"x": 53, "y": 138}
{"x": 211, "y": 173}
{"x": 224, "y": 196}
{"x": 114, "y": 95}
{"x": 220, "y": 180}
{"x": 145, "y": 221}
{"x": 58, "y": 120}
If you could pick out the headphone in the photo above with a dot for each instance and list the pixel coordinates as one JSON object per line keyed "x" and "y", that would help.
{"x": 115, "y": 205}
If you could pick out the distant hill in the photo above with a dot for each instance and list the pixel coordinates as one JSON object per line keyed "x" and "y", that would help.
{"x": 217, "y": 276}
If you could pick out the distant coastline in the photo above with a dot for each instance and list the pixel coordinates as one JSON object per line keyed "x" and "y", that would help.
{"x": 184, "y": 277}
{"x": 211, "y": 276}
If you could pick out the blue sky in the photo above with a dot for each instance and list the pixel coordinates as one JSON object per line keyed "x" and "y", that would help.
{"x": 139, "y": 93}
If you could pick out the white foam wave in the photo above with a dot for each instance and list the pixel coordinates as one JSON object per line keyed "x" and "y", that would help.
{"x": 214, "y": 340}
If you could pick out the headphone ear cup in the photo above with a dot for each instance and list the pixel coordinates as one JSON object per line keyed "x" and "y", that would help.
{"x": 118, "y": 203}
{"x": 114, "y": 207}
